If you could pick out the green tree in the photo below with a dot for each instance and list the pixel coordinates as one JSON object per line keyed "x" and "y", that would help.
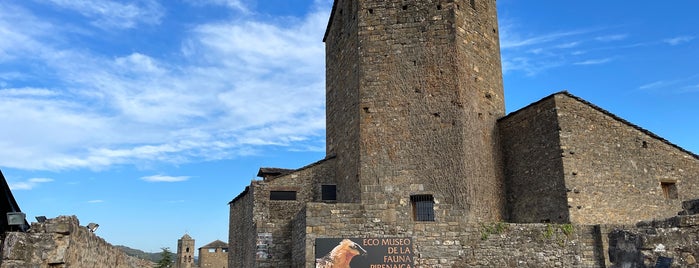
{"x": 165, "y": 259}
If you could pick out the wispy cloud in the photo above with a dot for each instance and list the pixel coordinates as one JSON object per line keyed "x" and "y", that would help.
{"x": 610, "y": 38}
{"x": 95, "y": 201}
{"x": 234, "y": 4}
{"x": 163, "y": 178}
{"x": 29, "y": 184}
{"x": 240, "y": 85}
{"x": 594, "y": 61}
{"x": 113, "y": 14}
{"x": 681, "y": 85}
{"x": 678, "y": 40}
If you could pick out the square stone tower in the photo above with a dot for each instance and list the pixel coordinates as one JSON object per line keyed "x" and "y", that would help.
{"x": 414, "y": 89}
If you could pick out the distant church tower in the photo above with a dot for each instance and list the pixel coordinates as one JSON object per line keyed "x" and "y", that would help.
{"x": 185, "y": 252}
{"x": 414, "y": 89}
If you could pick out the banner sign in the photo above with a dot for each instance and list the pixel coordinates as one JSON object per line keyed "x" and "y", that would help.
{"x": 389, "y": 252}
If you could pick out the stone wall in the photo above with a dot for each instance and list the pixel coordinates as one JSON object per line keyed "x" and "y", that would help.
{"x": 675, "y": 238}
{"x": 216, "y": 259}
{"x": 242, "y": 232}
{"x": 616, "y": 172}
{"x": 568, "y": 160}
{"x": 497, "y": 244}
{"x": 341, "y": 94}
{"x": 533, "y": 164}
{"x": 414, "y": 89}
{"x": 256, "y": 222}
{"x": 62, "y": 242}
{"x": 454, "y": 244}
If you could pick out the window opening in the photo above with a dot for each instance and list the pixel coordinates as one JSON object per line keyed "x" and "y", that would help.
{"x": 669, "y": 190}
{"x": 328, "y": 192}
{"x": 282, "y": 195}
{"x": 423, "y": 207}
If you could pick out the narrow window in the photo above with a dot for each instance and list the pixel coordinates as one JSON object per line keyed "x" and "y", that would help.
{"x": 328, "y": 192}
{"x": 282, "y": 195}
{"x": 423, "y": 207}
{"x": 669, "y": 190}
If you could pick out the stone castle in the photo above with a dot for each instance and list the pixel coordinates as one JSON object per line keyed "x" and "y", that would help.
{"x": 425, "y": 169}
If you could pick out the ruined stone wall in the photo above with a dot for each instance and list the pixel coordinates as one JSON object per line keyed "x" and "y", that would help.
{"x": 675, "y": 238}
{"x": 536, "y": 191}
{"x": 62, "y": 242}
{"x": 618, "y": 173}
{"x": 266, "y": 240}
{"x": 455, "y": 244}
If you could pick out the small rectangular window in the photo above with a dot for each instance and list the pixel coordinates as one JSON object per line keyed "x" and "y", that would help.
{"x": 669, "y": 190}
{"x": 423, "y": 207}
{"x": 328, "y": 192}
{"x": 212, "y": 250}
{"x": 282, "y": 195}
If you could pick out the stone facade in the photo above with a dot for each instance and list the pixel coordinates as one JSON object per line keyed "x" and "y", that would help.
{"x": 568, "y": 160}
{"x": 408, "y": 83}
{"x": 415, "y": 119}
{"x": 62, "y": 242}
{"x": 185, "y": 252}
{"x": 214, "y": 255}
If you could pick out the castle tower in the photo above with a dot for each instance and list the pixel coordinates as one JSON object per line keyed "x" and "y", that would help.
{"x": 185, "y": 252}
{"x": 414, "y": 89}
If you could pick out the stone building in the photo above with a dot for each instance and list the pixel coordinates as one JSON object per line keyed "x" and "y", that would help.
{"x": 214, "y": 255}
{"x": 424, "y": 167}
{"x": 185, "y": 252}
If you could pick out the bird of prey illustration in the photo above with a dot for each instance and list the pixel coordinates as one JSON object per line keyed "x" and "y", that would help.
{"x": 341, "y": 255}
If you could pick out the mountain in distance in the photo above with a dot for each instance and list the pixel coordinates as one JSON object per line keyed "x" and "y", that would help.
{"x": 154, "y": 257}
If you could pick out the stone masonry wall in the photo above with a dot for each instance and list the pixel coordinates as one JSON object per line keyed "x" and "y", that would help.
{"x": 534, "y": 168}
{"x": 413, "y": 91}
{"x": 428, "y": 105}
{"x": 242, "y": 230}
{"x": 676, "y": 238}
{"x": 455, "y": 244}
{"x": 62, "y": 242}
{"x": 216, "y": 259}
{"x": 273, "y": 217}
{"x": 616, "y": 172}
{"x": 341, "y": 94}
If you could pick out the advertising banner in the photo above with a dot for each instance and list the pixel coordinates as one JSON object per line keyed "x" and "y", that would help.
{"x": 392, "y": 252}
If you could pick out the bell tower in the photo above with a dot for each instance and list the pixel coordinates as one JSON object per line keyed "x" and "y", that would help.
{"x": 414, "y": 89}
{"x": 185, "y": 252}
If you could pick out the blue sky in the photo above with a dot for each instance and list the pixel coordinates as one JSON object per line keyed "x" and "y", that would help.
{"x": 149, "y": 116}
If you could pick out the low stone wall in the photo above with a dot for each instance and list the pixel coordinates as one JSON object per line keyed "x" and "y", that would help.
{"x": 674, "y": 240}
{"x": 62, "y": 242}
{"x": 498, "y": 244}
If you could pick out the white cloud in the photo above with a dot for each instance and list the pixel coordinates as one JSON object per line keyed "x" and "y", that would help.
{"x": 113, "y": 14}
{"x": 162, "y": 178}
{"x": 233, "y": 4}
{"x": 29, "y": 184}
{"x": 610, "y": 38}
{"x": 678, "y": 40}
{"x": 95, "y": 201}
{"x": 594, "y": 61}
{"x": 242, "y": 85}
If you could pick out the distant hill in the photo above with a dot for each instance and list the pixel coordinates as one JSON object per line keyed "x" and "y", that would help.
{"x": 154, "y": 257}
